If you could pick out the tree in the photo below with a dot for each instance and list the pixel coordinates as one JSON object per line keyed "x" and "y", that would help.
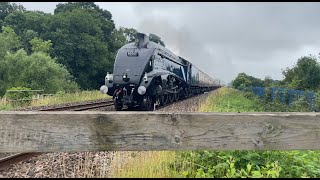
{"x": 268, "y": 82}
{"x": 6, "y": 8}
{"x": 241, "y": 81}
{"x": 129, "y": 34}
{"x": 39, "y": 45}
{"x": 17, "y": 21}
{"x": 91, "y": 6}
{"x": 28, "y": 25}
{"x": 105, "y": 17}
{"x": 79, "y": 43}
{"x": 305, "y": 75}
{"x": 37, "y": 71}
{"x": 83, "y": 36}
{"x": 119, "y": 38}
{"x": 123, "y": 36}
{"x": 156, "y": 39}
{"x": 9, "y": 41}
{"x": 27, "y": 36}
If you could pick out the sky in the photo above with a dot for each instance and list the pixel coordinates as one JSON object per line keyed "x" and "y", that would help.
{"x": 224, "y": 38}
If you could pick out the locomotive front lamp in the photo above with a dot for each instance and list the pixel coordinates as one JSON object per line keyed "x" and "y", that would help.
{"x": 104, "y": 89}
{"x": 142, "y": 90}
{"x": 109, "y": 77}
{"x": 124, "y": 76}
{"x": 145, "y": 78}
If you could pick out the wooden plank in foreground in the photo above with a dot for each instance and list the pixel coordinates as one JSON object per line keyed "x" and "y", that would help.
{"x": 116, "y": 131}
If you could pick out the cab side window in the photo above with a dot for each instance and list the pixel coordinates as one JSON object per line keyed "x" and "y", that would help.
{"x": 149, "y": 67}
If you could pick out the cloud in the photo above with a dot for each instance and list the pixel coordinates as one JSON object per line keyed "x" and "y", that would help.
{"x": 224, "y": 39}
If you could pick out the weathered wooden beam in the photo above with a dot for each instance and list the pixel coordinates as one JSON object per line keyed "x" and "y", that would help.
{"x": 27, "y": 131}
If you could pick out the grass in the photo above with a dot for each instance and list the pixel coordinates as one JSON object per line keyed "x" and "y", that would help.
{"x": 152, "y": 164}
{"x": 59, "y": 98}
{"x": 228, "y": 100}
{"x": 4, "y": 106}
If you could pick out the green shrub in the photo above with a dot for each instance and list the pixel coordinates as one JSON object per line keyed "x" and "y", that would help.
{"x": 299, "y": 105}
{"x": 267, "y": 95}
{"x": 252, "y": 163}
{"x": 17, "y": 96}
{"x": 316, "y": 102}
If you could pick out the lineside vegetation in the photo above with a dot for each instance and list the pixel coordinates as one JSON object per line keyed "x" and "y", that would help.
{"x": 253, "y": 163}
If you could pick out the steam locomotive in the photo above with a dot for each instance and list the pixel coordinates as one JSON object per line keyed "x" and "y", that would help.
{"x": 147, "y": 75}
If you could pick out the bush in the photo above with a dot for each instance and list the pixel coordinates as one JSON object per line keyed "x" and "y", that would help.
{"x": 37, "y": 71}
{"x": 287, "y": 164}
{"x": 300, "y": 105}
{"x": 316, "y": 102}
{"x": 19, "y": 97}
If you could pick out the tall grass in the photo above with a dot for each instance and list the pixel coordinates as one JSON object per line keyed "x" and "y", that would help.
{"x": 228, "y": 100}
{"x": 61, "y": 98}
{"x": 5, "y": 106}
{"x": 144, "y": 164}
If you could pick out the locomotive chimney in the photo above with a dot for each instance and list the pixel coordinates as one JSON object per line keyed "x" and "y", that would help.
{"x": 142, "y": 40}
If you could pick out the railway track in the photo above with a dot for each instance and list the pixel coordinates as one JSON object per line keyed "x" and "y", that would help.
{"x": 81, "y": 107}
{"x": 18, "y": 157}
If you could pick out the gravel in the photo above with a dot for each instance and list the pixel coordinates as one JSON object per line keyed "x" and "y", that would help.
{"x": 188, "y": 105}
{"x": 84, "y": 164}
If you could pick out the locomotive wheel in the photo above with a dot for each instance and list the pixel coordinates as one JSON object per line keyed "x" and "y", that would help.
{"x": 181, "y": 96}
{"x": 166, "y": 98}
{"x": 117, "y": 105}
{"x": 131, "y": 107}
{"x": 175, "y": 97}
{"x": 186, "y": 94}
{"x": 162, "y": 100}
{"x": 171, "y": 98}
{"x": 147, "y": 103}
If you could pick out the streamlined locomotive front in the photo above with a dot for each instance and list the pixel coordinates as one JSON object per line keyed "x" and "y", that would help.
{"x": 130, "y": 67}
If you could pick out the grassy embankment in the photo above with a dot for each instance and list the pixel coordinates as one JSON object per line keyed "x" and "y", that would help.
{"x": 295, "y": 163}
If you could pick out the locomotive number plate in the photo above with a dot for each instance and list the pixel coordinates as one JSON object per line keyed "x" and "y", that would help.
{"x": 134, "y": 54}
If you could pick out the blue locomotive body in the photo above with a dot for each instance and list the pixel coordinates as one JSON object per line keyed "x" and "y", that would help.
{"x": 146, "y": 73}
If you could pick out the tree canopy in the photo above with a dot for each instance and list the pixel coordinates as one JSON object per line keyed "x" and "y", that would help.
{"x": 7, "y": 7}
{"x": 305, "y": 75}
{"x": 80, "y": 36}
{"x": 243, "y": 80}
{"x": 37, "y": 70}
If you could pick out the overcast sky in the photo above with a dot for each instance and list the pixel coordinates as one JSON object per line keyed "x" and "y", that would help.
{"x": 224, "y": 38}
